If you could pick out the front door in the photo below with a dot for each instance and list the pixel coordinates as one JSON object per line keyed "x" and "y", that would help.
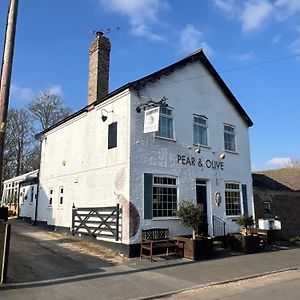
{"x": 201, "y": 196}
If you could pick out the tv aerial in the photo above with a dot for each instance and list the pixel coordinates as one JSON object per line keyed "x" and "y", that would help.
{"x": 102, "y": 31}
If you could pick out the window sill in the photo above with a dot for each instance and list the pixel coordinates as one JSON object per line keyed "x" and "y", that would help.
{"x": 165, "y": 218}
{"x": 232, "y": 152}
{"x": 232, "y": 217}
{"x": 60, "y": 208}
{"x": 164, "y": 138}
{"x": 202, "y": 146}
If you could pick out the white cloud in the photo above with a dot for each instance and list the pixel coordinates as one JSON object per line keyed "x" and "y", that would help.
{"x": 287, "y": 8}
{"x": 191, "y": 39}
{"x": 227, "y": 6}
{"x": 279, "y": 162}
{"x": 295, "y": 46}
{"x": 244, "y": 56}
{"x": 21, "y": 94}
{"x": 56, "y": 90}
{"x": 141, "y": 13}
{"x": 255, "y": 13}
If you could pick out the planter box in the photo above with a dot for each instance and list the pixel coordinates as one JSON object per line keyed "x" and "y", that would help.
{"x": 196, "y": 249}
{"x": 246, "y": 244}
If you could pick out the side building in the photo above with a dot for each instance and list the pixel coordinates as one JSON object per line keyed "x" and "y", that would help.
{"x": 100, "y": 156}
{"x": 20, "y": 194}
{"x": 277, "y": 196}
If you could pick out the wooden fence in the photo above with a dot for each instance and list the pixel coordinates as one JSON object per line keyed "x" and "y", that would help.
{"x": 4, "y": 249}
{"x": 97, "y": 221}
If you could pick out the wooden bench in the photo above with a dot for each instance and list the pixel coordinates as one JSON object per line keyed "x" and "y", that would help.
{"x": 156, "y": 239}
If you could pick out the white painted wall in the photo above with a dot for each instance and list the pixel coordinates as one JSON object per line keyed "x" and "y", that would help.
{"x": 75, "y": 156}
{"x": 27, "y": 201}
{"x": 148, "y": 154}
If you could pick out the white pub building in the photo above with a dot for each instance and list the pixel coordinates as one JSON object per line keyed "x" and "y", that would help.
{"x": 177, "y": 134}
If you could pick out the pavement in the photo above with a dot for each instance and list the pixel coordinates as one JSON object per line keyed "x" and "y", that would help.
{"x": 141, "y": 279}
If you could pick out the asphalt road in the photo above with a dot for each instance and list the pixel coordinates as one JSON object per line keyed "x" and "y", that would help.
{"x": 37, "y": 255}
{"x": 283, "y": 285}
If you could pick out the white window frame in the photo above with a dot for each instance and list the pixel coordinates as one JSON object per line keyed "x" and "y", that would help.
{"x": 233, "y": 190}
{"x": 164, "y": 185}
{"x": 233, "y": 134}
{"x": 199, "y": 125}
{"x": 170, "y": 117}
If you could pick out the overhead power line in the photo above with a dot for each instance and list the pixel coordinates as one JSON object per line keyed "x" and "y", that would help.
{"x": 266, "y": 62}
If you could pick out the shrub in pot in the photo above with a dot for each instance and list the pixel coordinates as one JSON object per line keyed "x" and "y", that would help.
{"x": 245, "y": 241}
{"x": 246, "y": 222}
{"x": 199, "y": 246}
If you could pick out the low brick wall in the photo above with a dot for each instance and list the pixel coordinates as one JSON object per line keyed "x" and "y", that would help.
{"x": 284, "y": 204}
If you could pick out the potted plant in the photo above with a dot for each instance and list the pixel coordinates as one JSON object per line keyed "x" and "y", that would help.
{"x": 246, "y": 241}
{"x": 198, "y": 245}
{"x": 246, "y": 222}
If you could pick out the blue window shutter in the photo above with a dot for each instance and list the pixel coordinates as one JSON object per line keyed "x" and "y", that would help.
{"x": 148, "y": 196}
{"x": 245, "y": 201}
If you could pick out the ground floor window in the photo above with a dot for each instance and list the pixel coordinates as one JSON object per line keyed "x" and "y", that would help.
{"x": 232, "y": 199}
{"x": 164, "y": 196}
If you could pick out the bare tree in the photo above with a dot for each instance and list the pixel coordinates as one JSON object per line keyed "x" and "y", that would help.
{"x": 46, "y": 110}
{"x": 17, "y": 142}
{"x": 294, "y": 162}
{"x": 22, "y": 150}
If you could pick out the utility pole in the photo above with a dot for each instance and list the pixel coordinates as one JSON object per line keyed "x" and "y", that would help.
{"x": 7, "y": 59}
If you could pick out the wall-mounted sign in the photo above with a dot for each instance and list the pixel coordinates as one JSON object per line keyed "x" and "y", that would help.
{"x": 218, "y": 198}
{"x": 192, "y": 161}
{"x": 151, "y": 120}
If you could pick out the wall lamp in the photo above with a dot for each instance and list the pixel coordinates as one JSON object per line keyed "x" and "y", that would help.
{"x": 222, "y": 154}
{"x": 103, "y": 115}
{"x": 196, "y": 148}
{"x": 151, "y": 103}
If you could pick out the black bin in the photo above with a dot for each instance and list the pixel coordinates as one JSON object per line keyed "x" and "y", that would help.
{"x": 4, "y": 213}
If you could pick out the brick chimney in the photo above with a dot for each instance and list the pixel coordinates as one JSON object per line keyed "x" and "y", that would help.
{"x": 98, "y": 68}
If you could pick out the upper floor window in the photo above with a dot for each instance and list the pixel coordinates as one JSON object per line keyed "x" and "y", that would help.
{"x": 112, "y": 135}
{"x": 165, "y": 123}
{"x": 229, "y": 138}
{"x": 232, "y": 199}
{"x": 200, "y": 130}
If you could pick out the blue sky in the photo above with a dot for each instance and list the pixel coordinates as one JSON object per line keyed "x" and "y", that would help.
{"x": 53, "y": 37}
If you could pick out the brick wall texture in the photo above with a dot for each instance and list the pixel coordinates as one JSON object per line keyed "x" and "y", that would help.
{"x": 284, "y": 204}
{"x": 98, "y": 69}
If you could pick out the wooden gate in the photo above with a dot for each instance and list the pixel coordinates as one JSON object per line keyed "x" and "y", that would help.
{"x": 96, "y": 221}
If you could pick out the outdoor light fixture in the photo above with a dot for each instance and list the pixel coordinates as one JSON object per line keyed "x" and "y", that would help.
{"x": 104, "y": 116}
{"x": 222, "y": 153}
{"x": 151, "y": 103}
{"x": 218, "y": 198}
{"x": 197, "y": 148}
